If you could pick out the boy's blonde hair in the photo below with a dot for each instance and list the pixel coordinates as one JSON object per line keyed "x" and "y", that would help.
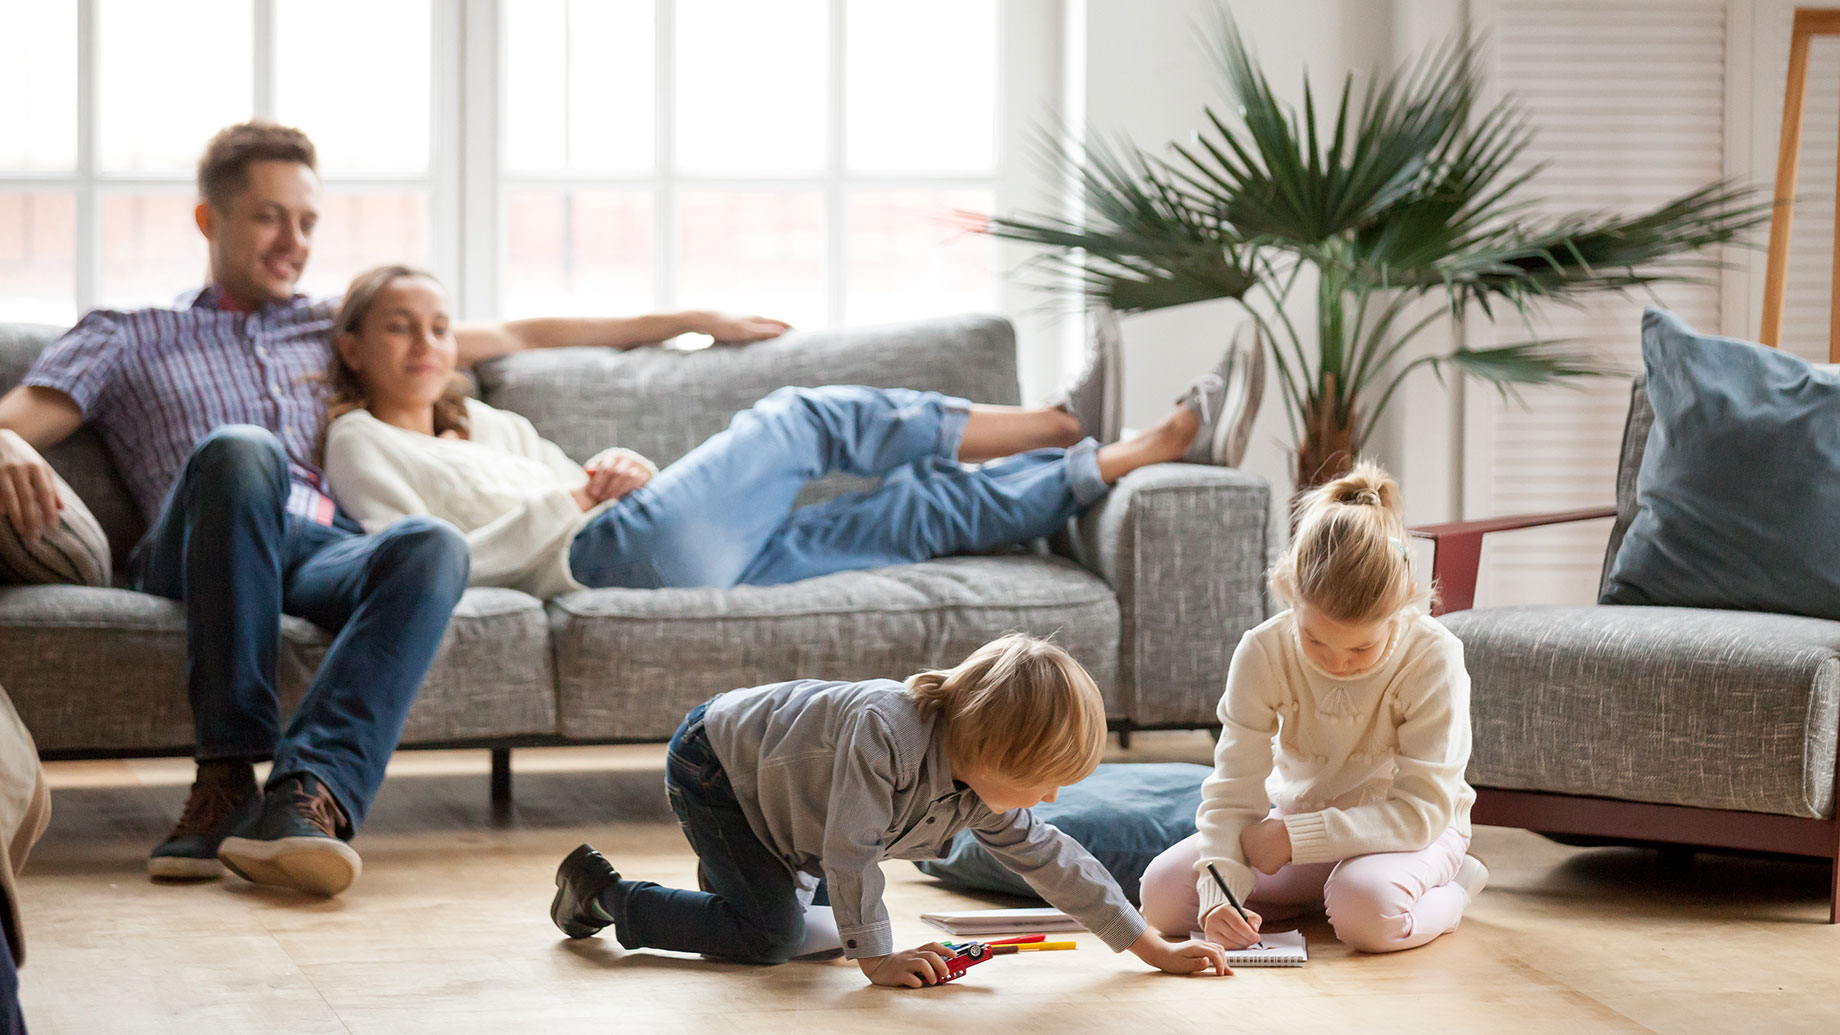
{"x": 1349, "y": 559}
{"x": 1020, "y": 707}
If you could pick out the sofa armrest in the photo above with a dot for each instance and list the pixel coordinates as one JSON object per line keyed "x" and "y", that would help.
{"x": 1183, "y": 546}
{"x": 1456, "y": 550}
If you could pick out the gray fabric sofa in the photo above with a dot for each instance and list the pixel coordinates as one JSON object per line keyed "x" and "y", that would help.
{"x": 1649, "y": 724}
{"x": 1150, "y": 589}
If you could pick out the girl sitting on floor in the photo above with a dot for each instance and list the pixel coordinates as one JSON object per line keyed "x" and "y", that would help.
{"x": 1369, "y": 701}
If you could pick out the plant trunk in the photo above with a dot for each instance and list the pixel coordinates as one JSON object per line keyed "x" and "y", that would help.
{"x": 1328, "y": 448}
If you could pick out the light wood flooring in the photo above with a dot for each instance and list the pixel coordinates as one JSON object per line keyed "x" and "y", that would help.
{"x": 447, "y": 931}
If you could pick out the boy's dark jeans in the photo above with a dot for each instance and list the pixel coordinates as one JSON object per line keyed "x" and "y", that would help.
{"x": 750, "y": 910}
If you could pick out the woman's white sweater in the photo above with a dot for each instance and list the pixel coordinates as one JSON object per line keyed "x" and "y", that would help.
{"x": 1367, "y": 763}
{"x": 507, "y": 488}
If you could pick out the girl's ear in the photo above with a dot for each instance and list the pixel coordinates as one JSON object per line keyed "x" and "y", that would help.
{"x": 348, "y": 347}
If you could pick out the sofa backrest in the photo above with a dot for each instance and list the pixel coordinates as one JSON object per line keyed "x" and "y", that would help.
{"x": 81, "y": 459}
{"x": 661, "y": 402}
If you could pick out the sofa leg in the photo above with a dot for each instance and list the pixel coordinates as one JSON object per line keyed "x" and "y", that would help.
{"x": 1124, "y": 738}
{"x": 1833, "y": 898}
{"x": 501, "y": 778}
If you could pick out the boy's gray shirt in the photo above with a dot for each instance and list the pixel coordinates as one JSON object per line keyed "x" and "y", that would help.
{"x": 835, "y": 777}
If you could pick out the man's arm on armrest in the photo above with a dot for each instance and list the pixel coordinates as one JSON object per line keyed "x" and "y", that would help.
{"x": 1456, "y": 550}
{"x": 32, "y": 418}
{"x": 480, "y": 342}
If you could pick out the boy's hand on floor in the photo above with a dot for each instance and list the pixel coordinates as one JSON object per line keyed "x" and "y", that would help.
{"x": 910, "y": 968}
{"x": 1180, "y": 957}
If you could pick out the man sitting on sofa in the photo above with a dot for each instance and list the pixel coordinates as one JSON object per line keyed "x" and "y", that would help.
{"x": 210, "y": 410}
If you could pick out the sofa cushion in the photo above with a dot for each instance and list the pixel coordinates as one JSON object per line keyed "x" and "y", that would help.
{"x": 630, "y": 663}
{"x": 1739, "y": 482}
{"x": 1680, "y": 706}
{"x": 73, "y": 552}
{"x": 1125, "y": 815}
{"x": 492, "y": 677}
{"x": 104, "y": 669}
{"x": 81, "y": 459}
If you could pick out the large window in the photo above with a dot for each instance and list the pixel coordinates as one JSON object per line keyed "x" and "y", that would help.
{"x": 799, "y": 158}
{"x": 111, "y": 101}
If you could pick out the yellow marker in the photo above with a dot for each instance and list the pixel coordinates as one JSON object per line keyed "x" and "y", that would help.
{"x": 1004, "y": 950}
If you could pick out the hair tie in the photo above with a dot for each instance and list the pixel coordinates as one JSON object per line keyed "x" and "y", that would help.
{"x": 1401, "y": 547}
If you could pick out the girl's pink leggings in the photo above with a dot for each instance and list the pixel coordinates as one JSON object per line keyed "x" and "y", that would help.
{"x": 1377, "y": 903}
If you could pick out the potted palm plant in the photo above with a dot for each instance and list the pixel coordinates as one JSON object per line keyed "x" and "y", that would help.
{"x": 1413, "y": 191}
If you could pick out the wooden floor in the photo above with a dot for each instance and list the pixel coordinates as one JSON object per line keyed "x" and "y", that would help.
{"x": 447, "y": 931}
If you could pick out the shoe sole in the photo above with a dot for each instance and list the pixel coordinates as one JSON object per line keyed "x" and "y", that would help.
{"x": 181, "y": 868}
{"x": 1111, "y": 378}
{"x": 316, "y": 865}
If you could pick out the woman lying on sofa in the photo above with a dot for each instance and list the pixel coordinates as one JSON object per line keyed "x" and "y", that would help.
{"x": 402, "y": 440}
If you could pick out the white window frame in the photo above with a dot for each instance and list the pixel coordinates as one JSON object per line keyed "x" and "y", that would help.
{"x": 467, "y": 187}
{"x": 1028, "y": 83}
{"x": 90, "y": 184}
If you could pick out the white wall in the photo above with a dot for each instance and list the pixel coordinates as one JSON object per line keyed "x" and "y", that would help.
{"x": 1141, "y": 68}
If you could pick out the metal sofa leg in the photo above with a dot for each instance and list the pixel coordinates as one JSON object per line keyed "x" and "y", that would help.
{"x": 501, "y": 778}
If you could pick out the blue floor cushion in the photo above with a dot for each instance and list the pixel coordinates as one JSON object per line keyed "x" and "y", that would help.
{"x": 1125, "y": 815}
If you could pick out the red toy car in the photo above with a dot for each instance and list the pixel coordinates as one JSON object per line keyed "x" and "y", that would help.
{"x": 964, "y": 958}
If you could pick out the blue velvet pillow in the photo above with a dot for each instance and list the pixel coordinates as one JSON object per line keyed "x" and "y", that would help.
{"x": 1738, "y": 497}
{"x": 1125, "y": 815}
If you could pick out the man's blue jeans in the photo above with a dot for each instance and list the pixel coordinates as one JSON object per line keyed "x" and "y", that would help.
{"x": 225, "y": 546}
{"x": 722, "y": 516}
{"x": 12, "y": 1022}
{"x": 751, "y": 909}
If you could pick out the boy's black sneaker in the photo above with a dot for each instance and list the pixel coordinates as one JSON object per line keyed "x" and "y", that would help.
{"x": 224, "y": 796}
{"x": 297, "y": 841}
{"x": 581, "y": 878}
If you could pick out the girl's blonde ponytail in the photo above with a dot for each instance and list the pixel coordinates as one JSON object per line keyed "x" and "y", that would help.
{"x": 1349, "y": 559}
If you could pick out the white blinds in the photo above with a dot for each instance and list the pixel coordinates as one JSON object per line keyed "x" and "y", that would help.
{"x": 1635, "y": 101}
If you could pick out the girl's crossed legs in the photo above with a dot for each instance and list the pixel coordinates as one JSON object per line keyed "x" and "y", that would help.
{"x": 1383, "y": 902}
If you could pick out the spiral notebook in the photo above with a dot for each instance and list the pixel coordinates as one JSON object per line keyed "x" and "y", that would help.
{"x": 1277, "y": 949}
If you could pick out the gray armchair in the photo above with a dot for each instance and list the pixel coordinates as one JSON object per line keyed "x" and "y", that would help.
{"x": 1646, "y": 724}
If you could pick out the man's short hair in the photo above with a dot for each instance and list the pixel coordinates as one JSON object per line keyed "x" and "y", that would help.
{"x": 224, "y": 167}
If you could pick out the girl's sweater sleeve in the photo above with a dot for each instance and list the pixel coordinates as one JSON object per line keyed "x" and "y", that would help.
{"x": 375, "y": 482}
{"x": 1434, "y": 741}
{"x": 1233, "y": 797}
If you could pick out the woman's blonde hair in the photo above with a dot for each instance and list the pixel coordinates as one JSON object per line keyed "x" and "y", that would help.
{"x": 1020, "y": 707}
{"x": 345, "y": 390}
{"x": 1349, "y": 559}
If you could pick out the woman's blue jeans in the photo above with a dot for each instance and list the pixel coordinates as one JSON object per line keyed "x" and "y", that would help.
{"x": 722, "y": 516}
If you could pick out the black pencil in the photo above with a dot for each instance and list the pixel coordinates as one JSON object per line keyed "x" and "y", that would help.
{"x": 1229, "y": 893}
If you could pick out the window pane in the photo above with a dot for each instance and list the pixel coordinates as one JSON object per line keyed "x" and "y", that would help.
{"x": 578, "y": 253}
{"x": 152, "y": 251}
{"x": 750, "y": 81}
{"x": 38, "y": 78}
{"x": 38, "y": 263}
{"x": 579, "y": 86}
{"x": 908, "y": 259}
{"x": 893, "y": 123}
{"x": 354, "y": 75}
{"x": 172, "y": 75}
{"x": 762, "y": 252}
{"x": 359, "y": 231}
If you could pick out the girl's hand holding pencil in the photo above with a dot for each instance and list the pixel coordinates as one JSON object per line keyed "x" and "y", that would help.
{"x": 1225, "y": 928}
